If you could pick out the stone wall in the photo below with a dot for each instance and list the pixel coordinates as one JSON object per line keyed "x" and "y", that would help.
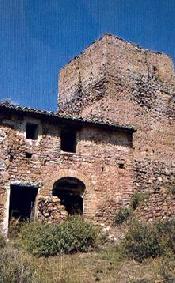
{"x": 103, "y": 162}
{"x": 120, "y": 82}
{"x": 111, "y": 81}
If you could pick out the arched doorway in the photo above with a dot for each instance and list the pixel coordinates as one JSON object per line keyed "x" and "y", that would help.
{"x": 70, "y": 192}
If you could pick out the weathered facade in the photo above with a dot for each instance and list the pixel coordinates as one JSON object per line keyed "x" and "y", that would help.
{"x": 42, "y": 176}
{"x": 113, "y": 135}
{"x": 116, "y": 81}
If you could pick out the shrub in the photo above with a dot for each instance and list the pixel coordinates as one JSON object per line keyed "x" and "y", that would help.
{"x": 77, "y": 235}
{"x": 150, "y": 240}
{"x": 2, "y": 242}
{"x": 141, "y": 241}
{"x": 14, "y": 228}
{"x": 122, "y": 215}
{"x": 166, "y": 234}
{"x": 73, "y": 235}
{"x": 125, "y": 212}
{"x": 38, "y": 238}
{"x": 136, "y": 199}
{"x": 15, "y": 267}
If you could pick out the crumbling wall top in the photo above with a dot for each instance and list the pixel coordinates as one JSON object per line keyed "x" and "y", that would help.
{"x": 112, "y": 56}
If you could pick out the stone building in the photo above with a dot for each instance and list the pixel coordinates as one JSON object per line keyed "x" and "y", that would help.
{"x": 113, "y": 135}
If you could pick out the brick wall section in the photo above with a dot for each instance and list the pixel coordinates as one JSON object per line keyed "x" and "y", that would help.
{"x": 87, "y": 72}
{"x": 128, "y": 85}
{"x": 96, "y": 163}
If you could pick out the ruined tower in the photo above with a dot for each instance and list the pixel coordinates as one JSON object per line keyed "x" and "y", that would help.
{"x": 113, "y": 80}
{"x": 112, "y": 136}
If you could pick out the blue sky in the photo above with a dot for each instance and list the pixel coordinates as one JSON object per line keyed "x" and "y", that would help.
{"x": 37, "y": 37}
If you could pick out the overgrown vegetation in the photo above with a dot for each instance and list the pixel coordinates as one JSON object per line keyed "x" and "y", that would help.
{"x": 137, "y": 199}
{"x": 14, "y": 228}
{"x": 16, "y": 266}
{"x": 125, "y": 213}
{"x": 154, "y": 242}
{"x": 73, "y": 235}
{"x": 141, "y": 241}
{"x": 2, "y": 242}
{"x": 166, "y": 235}
{"x": 149, "y": 240}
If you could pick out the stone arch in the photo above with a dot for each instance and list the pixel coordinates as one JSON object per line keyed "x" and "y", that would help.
{"x": 89, "y": 195}
{"x": 70, "y": 191}
{"x": 78, "y": 174}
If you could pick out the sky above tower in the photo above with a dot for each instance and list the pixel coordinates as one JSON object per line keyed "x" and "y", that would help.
{"x": 38, "y": 37}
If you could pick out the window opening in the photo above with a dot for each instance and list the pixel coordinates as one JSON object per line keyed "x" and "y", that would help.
{"x": 68, "y": 140}
{"x": 32, "y": 131}
{"x": 121, "y": 166}
{"x": 28, "y": 155}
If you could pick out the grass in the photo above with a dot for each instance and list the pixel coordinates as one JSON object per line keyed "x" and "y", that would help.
{"x": 133, "y": 260}
{"x": 105, "y": 266}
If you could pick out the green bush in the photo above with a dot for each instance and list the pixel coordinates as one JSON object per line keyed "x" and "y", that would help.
{"x": 122, "y": 215}
{"x": 166, "y": 234}
{"x": 141, "y": 241}
{"x": 2, "y": 242}
{"x": 125, "y": 212}
{"x": 38, "y": 238}
{"x": 14, "y": 228}
{"x": 149, "y": 240}
{"x": 77, "y": 235}
{"x": 16, "y": 267}
{"x": 136, "y": 199}
{"x": 71, "y": 236}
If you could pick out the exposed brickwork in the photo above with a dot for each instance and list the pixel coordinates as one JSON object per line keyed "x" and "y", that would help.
{"x": 117, "y": 81}
{"x": 97, "y": 162}
{"x": 110, "y": 88}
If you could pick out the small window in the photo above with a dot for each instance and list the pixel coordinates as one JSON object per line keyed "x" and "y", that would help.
{"x": 68, "y": 140}
{"x": 28, "y": 155}
{"x": 121, "y": 166}
{"x": 31, "y": 131}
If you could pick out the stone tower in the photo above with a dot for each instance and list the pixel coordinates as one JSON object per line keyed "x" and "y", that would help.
{"x": 117, "y": 81}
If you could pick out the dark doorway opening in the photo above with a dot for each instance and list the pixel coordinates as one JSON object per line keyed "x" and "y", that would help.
{"x": 70, "y": 192}
{"x": 22, "y": 202}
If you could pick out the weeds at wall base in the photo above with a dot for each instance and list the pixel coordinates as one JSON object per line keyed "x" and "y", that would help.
{"x": 150, "y": 246}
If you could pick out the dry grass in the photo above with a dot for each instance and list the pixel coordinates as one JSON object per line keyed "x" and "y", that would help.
{"x": 105, "y": 267}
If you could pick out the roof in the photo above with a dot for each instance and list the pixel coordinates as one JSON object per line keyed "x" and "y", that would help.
{"x": 6, "y": 107}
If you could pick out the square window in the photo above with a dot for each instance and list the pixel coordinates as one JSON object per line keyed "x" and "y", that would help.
{"x": 68, "y": 140}
{"x": 28, "y": 155}
{"x": 31, "y": 131}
